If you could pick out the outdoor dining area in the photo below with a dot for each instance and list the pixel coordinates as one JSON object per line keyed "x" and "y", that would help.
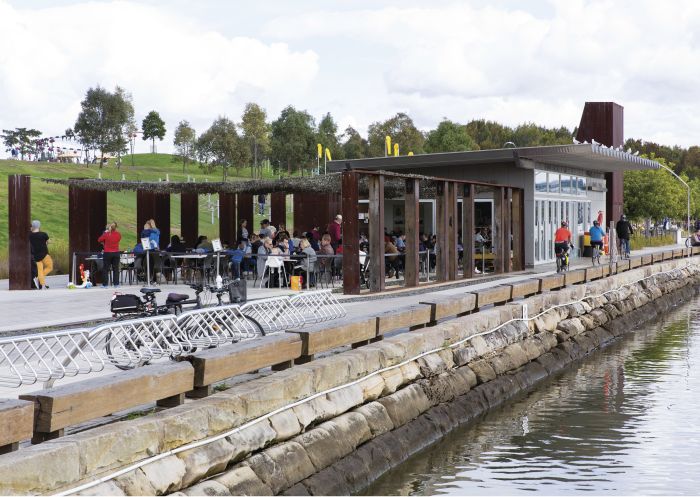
{"x": 368, "y": 252}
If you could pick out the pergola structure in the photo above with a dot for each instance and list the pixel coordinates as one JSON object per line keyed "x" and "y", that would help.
{"x": 316, "y": 201}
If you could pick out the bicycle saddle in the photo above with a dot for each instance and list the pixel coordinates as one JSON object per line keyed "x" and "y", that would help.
{"x": 177, "y": 297}
{"x": 147, "y": 290}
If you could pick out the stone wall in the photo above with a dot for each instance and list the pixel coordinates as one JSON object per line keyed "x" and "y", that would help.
{"x": 339, "y": 442}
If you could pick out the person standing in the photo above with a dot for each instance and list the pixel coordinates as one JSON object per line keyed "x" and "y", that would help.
{"x": 38, "y": 241}
{"x": 110, "y": 256}
{"x": 334, "y": 230}
{"x": 242, "y": 231}
{"x": 624, "y": 231}
{"x": 261, "y": 204}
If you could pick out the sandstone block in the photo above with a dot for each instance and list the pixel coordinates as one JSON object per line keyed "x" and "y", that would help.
{"x": 432, "y": 365}
{"x": 165, "y": 475}
{"x": 206, "y": 460}
{"x": 517, "y": 354}
{"x": 533, "y": 348}
{"x": 323, "y": 448}
{"x": 547, "y": 339}
{"x": 135, "y": 482}
{"x": 406, "y": 404}
{"x": 479, "y": 345}
{"x": 346, "y": 398}
{"x": 393, "y": 379}
{"x": 377, "y": 418}
{"x": 59, "y": 462}
{"x": 501, "y": 363}
{"x": 530, "y": 374}
{"x": 243, "y": 481}
{"x": 463, "y": 355}
{"x": 572, "y": 326}
{"x": 210, "y": 487}
{"x": 438, "y": 388}
{"x": 105, "y": 488}
{"x": 410, "y": 372}
{"x": 328, "y": 372}
{"x": 372, "y": 387}
{"x": 251, "y": 439}
{"x": 282, "y": 466}
{"x": 285, "y": 424}
{"x": 483, "y": 370}
{"x": 328, "y": 481}
{"x": 298, "y": 489}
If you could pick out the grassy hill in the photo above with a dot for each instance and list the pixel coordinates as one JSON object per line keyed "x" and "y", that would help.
{"x": 50, "y": 201}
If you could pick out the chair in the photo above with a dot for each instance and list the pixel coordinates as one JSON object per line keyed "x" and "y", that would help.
{"x": 126, "y": 265}
{"x": 277, "y": 265}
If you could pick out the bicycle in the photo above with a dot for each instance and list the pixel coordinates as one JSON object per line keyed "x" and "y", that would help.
{"x": 595, "y": 256}
{"x": 563, "y": 259}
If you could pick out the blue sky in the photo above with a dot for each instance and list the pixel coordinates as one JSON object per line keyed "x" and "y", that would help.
{"x": 363, "y": 61}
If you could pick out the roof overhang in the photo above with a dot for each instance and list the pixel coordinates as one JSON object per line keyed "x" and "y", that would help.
{"x": 583, "y": 156}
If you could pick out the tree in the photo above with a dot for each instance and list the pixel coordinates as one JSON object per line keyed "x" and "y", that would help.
{"x": 185, "y": 140}
{"x": 449, "y": 137}
{"x": 293, "y": 141}
{"x": 354, "y": 146}
{"x": 220, "y": 145}
{"x": 153, "y": 127}
{"x": 488, "y": 134}
{"x": 401, "y": 130}
{"x": 21, "y": 139}
{"x": 256, "y": 133}
{"x": 654, "y": 194}
{"x": 327, "y": 136}
{"x": 103, "y": 120}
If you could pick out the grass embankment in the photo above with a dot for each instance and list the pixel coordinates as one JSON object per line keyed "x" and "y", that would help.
{"x": 50, "y": 201}
{"x": 640, "y": 241}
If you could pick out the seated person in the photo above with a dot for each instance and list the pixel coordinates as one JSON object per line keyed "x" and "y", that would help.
{"x": 326, "y": 251}
{"x": 237, "y": 259}
{"x": 307, "y": 263}
{"x": 203, "y": 245}
{"x": 392, "y": 261}
{"x": 695, "y": 239}
{"x": 176, "y": 245}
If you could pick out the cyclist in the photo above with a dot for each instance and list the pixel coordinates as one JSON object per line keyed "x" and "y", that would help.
{"x": 562, "y": 239}
{"x": 624, "y": 231}
{"x": 597, "y": 233}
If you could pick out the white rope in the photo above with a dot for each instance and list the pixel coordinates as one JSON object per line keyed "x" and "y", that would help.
{"x": 206, "y": 441}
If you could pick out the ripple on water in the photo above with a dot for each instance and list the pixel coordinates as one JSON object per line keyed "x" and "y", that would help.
{"x": 624, "y": 421}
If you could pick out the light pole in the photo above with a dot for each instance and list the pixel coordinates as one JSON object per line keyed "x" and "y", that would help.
{"x": 686, "y": 185}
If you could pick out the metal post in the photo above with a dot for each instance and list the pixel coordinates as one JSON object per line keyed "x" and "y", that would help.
{"x": 75, "y": 258}
{"x": 148, "y": 267}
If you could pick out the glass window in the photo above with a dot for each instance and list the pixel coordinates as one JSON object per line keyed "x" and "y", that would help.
{"x": 582, "y": 186}
{"x": 541, "y": 181}
{"x": 537, "y": 213}
{"x": 553, "y": 183}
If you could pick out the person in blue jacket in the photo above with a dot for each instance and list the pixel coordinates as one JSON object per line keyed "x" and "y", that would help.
{"x": 597, "y": 234}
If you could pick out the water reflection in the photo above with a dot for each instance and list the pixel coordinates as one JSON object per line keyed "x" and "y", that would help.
{"x": 625, "y": 421}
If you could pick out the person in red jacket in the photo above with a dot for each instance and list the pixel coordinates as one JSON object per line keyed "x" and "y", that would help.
{"x": 335, "y": 231}
{"x": 110, "y": 257}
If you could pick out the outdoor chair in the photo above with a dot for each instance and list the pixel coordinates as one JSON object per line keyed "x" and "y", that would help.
{"x": 126, "y": 265}
{"x": 276, "y": 265}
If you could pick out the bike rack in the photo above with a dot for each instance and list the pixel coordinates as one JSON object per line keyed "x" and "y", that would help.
{"x": 46, "y": 357}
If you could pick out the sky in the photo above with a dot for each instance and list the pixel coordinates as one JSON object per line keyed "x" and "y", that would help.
{"x": 362, "y": 61}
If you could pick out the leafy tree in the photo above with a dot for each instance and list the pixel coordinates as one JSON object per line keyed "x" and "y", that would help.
{"x": 21, "y": 139}
{"x": 256, "y": 133}
{"x": 103, "y": 121}
{"x": 488, "y": 134}
{"x": 654, "y": 194}
{"x": 354, "y": 146}
{"x": 220, "y": 145}
{"x": 401, "y": 130}
{"x": 69, "y": 134}
{"x": 449, "y": 137}
{"x": 153, "y": 127}
{"x": 185, "y": 140}
{"x": 327, "y": 136}
{"x": 293, "y": 140}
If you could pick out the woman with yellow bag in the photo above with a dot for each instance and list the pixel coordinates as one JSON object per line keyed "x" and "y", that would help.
{"x": 38, "y": 240}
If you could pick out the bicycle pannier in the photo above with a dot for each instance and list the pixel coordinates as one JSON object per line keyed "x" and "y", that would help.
{"x": 238, "y": 292}
{"x": 126, "y": 303}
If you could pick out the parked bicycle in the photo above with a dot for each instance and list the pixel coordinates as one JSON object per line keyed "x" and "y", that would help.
{"x": 595, "y": 256}
{"x": 196, "y": 330}
{"x": 563, "y": 259}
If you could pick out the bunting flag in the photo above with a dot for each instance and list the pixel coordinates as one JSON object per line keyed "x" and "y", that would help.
{"x": 396, "y": 149}
{"x": 319, "y": 149}
{"x": 328, "y": 154}
{"x": 388, "y": 145}
{"x": 410, "y": 153}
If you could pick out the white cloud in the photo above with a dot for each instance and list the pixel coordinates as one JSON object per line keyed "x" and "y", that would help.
{"x": 51, "y": 56}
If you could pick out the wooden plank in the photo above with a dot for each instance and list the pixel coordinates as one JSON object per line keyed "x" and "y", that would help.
{"x": 412, "y": 229}
{"x": 59, "y": 407}
{"x": 495, "y": 295}
{"x": 376, "y": 233}
{"x": 351, "y": 236}
{"x": 507, "y": 230}
{"x": 657, "y": 257}
{"x": 497, "y": 238}
{"x": 16, "y": 422}
{"x": 327, "y": 336}
{"x": 468, "y": 230}
{"x": 678, "y": 253}
{"x": 635, "y": 262}
{"x": 525, "y": 288}
{"x": 573, "y": 277}
{"x": 220, "y": 363}
{"x": 403, "y": 317}
{"x": 518, "y": 222}
{"x": 667, "y": 255}
{"x": 623, "y": 265}
{"x": 450, "y": 305}
{"x": 551, "y": 282}
{"x": 594, "y": 273}
{"x": 647, "y": 259}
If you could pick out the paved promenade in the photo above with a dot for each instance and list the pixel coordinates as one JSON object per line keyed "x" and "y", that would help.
{"x": 25, "y": 312}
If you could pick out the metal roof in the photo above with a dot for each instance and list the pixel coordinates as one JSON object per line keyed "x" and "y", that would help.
{"x": 590, "y": 157}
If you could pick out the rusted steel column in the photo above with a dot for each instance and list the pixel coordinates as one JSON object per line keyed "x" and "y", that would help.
{"x": 279, "y": 209}
{"x": 19, "y": 211}
{"x": 156, "y": 206}
{"x": 227, "y": 218}
{"x": 376, "y": 233}
{"x": 313, "y": 209}
{"x": 412, "y": 225}
{"x": 351, "y": 234}
{"x": 452, "y": 254}
{"x": 507, "y": 229}
{"x": 441, "y": 230}
{"x": 244, "y": 208}
{"x": 468, "y": 230}
{"x": 87, "y": 218}
{"x": 189, "y": 218}
{"x": 497, "y": 238}
{"x": 518, "y": 230}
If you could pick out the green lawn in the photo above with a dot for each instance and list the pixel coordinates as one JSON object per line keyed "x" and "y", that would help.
{"x": 50, "y": 201}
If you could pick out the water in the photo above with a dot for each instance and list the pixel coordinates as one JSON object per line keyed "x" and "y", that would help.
{"x": 624, "y": 421}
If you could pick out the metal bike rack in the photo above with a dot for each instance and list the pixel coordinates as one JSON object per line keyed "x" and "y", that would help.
{"x": 46, "y": 357}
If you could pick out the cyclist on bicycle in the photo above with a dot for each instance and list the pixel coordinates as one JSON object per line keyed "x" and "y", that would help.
{"x": 562, "y": 239}
{"x": 597, "y": 234}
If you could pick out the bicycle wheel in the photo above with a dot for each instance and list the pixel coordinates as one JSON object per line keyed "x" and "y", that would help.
{"x": 256, "y": 324}
{"x": 125, "y": 354}
{"x": 558, "y": 264}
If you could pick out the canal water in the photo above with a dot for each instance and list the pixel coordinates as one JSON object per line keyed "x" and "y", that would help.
{"x": 626, "y": 420}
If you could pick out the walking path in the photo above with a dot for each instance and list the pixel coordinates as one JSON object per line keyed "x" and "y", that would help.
{"x": 25, "y": 312}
